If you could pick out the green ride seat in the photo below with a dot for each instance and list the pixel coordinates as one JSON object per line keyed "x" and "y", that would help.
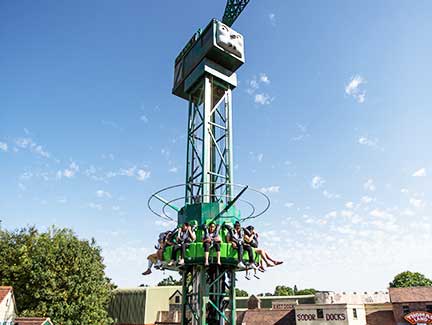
{"x": 167, "y": 254}
{"x": 195, "y": 253}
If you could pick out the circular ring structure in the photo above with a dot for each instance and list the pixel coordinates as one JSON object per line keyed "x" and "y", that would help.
{"x": 168, "y": 203}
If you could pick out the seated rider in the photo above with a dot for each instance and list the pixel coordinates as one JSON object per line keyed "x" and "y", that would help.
{"x": 211, "y": 238}
{"x": 185, "y": 237}
{"x": 251, "y": 237}
{"x": 156, "y": 258}
{"x": 236, "y": 238}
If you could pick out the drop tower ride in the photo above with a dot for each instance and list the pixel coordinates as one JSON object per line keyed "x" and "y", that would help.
{"x": 205, "y": 76}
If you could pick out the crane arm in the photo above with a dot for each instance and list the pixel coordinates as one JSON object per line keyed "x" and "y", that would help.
{"x": 233, "y": 9}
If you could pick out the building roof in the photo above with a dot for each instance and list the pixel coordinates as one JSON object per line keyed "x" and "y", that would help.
{"x": 4, "y": 291}
{"x": 269, "y": 317}
{"x": 33, "y": 321}
{"x": 175, "y": 292}
{"x": 413, "y": 294}
{"x": 128, "y": 306}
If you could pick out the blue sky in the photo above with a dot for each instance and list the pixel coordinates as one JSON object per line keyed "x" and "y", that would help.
{"x": 331, "y": 119}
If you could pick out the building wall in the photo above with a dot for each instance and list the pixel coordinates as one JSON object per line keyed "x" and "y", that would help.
{"x": 372, "y": 308}
{"x": 157, "y": 299}
{"x": 7, "y": 309}
{"x": 333, "y": 314}
{"x": 380, "y": 317}
{"x": 414, "y": 306}
{"x": 331, "y": 297}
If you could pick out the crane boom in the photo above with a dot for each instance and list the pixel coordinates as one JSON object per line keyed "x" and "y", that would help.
{"x": 233, "y": 9}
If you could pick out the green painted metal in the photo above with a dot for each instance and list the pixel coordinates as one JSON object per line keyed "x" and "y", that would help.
{"x": 208, "y": 292}
{"x": 233, "y": 9}
{"x": 209, "y": 196}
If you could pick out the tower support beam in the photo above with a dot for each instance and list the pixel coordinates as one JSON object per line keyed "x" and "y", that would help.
{"x": 209, "y": 174}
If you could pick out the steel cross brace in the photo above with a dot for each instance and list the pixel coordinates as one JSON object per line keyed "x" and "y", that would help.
{"x": 233, "y": 9}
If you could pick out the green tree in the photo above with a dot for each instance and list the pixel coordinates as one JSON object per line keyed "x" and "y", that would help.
{"x": 55, "y": 274}
{"x": 283, "y": 291}
{"x": 266, "y": 294}
{"x": 169, "y": 281}
{"x": 410, "y": 279}
{"x": 309, "y": 291}
{"x": 241, "y": 293}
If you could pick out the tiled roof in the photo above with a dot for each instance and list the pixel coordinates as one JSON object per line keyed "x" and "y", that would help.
{"x": 269, "y": 317}
{"x": 32, "y": 321}
{"x": 414, "y": 294}
{"x": 4, "y": 292}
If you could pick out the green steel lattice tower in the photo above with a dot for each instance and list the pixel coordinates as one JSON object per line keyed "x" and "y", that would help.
{"x": 204, "y": 75}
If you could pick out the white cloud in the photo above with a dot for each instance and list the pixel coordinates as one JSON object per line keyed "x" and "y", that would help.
{"x": 332, "y": 214}
{"x": 260, "y": 157}
{"x": 262, "y": 99}
{"x": 353, "y": 88}
{"x": 272, "y": 18}
{"x": 264, "y": 78}
{"x": 366, "y": 199}
{"x": 144, "y": 118}
{"x": 254, "y": 84}
{"x": 367, "y": 141}
{"x": 70, "y": 171}
{"x": 28, "y": 143}
{"x": 289, "y": 204}
{"x": 417, "y": 203}
{"x": 378, "y": 213}
{"x": 349, "y": 205}
{"x": 165, "y": 223}
{"x": 129, "y": 172}
{"x": 347, "y": 213}
{"x": 26, "y": 175}
{"x": 317, "y": 182}
{"x": 142, "y": 175}
{"x": 369, "y": 185}
{"x": 330, "y": 195}
{"x": 103, "y": 194}
{"x": 270, "y": 189}
{"x": 361, "y": 97}
{"x": 173, "y": 170}
{"x": 420, "y": 173}
{"x": 3, "y": 146}
{"x": 303, "y": 133}
{"x": 95, "y": 206}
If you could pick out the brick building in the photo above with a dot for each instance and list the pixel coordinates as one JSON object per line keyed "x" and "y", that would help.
{"x": 7, "y": 306}
{"x": 8, "y": 311}
{"x": 161, "y": 305}
{"x": 32, "y": 321}
{"x": 410, "y": 300}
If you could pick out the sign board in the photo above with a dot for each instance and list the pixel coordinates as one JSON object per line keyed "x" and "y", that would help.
{"x": 419, "y": 318}
{"x": 283, "y": 305}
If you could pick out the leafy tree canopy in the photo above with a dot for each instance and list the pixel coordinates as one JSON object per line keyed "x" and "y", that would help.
{"x": 309, "y": 291}
{"x": 283, "y": 291}
{"x": 169, "y": 281}
{"x": 55, "y": 274}
{"x": 266, "y": 294}
{"x": 241, "y": 293}
{"x": 410, "y": 279}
